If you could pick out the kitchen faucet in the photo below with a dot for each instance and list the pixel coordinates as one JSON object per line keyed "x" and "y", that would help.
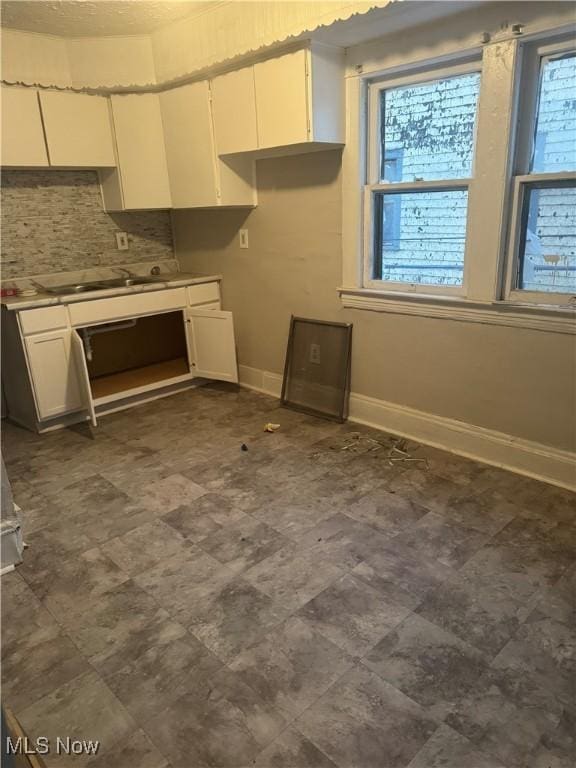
{"x": 123, "y": 269}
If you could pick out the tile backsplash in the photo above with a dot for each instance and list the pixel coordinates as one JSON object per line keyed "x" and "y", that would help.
{"x": 53, "y": 221}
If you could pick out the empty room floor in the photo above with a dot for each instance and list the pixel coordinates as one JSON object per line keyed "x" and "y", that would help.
{"x": 306, "y": 603}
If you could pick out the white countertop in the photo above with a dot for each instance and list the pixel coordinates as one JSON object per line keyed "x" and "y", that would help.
{"x": 49, "y": 299}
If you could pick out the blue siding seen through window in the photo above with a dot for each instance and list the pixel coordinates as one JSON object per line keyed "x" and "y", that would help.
{"x": 555, "y": 134}
{"x": 392, "y": 209}
{"x": 429, "y": 249}
{"x": 427, "y": 133}
{"x": 548, "y": 251}
{"x": 432, "y": 124}
{"x": 548, "y": 247}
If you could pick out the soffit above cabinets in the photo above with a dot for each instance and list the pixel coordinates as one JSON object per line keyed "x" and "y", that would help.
{"x": 138, "y": 43}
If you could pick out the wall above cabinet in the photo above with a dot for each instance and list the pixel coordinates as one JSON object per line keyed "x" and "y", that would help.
{"x": 288, "y": 104}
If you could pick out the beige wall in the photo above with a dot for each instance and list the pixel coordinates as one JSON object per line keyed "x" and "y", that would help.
{"x": 517, "y": 381}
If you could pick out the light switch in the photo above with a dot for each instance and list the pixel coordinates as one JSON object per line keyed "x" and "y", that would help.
{"x": 243, "y": 238}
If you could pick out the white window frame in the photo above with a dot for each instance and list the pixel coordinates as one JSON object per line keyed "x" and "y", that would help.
{"x": 534, "y": 57}
{"x": 490, "y": 200}
{"x": 374, "y": 185}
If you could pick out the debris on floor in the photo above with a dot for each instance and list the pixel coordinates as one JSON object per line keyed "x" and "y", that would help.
{"x": 271, "y": 427}
{"x": 397, "y": 449}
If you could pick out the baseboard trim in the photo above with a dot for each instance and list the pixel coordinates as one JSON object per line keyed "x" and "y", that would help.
{"x": 260, "y": 381}
{"x": 498, "y": 449}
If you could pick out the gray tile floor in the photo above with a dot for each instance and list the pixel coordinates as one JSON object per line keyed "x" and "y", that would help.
{"x": 295, "y": 605}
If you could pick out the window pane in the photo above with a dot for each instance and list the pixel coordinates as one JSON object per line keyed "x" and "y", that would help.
{"x": 548, "y": 251}
{"x": 430, "y": 127}
{"x": 420, "y": 237}
{"x": 555, "y": 139}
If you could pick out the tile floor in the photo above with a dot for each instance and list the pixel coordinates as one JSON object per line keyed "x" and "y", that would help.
{"x": 190, "y": 604}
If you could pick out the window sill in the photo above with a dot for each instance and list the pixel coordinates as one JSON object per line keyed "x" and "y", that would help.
{"x": 549, "y": 318}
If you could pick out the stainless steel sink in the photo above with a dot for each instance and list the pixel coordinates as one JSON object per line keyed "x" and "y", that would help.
{"x": 79, "y": 288}
{"x": 101, "y": 285}
{"x": 127, "y": 281}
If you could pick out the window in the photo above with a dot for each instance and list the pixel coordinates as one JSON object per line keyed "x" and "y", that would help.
{"x": 459, "y": 184}
{"x": 543, "y": 250}
{"x": 421, "y": 148}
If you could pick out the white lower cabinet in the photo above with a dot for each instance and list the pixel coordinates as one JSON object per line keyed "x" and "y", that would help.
{"x": 81, "y": 368}
{"x": 211, "y": 344}
{"x": 54, "y": 373}
{"x": 113, "y": 352}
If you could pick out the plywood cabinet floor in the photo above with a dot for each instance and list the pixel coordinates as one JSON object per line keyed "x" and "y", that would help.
{"x": 189, "y": 604}
{"x": 139, "y": 377}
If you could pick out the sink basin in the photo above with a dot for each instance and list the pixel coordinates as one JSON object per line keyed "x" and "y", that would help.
{"x": 78, "y": 288}
{"x": 101, "y": 285}
{"x": 127, "y": 281}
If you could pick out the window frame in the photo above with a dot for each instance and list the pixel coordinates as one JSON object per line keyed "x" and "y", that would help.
{"x": 534, "y": 55}
{"x": 373, "y": 184}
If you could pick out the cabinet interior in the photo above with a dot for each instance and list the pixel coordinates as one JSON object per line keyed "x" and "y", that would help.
{"x": 134, "y": 353}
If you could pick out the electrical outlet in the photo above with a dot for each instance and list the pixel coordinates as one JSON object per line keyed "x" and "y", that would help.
{"x": 315, "y": 353}
{"x": 243, "y": 238}
{"x": 122, "y": 241}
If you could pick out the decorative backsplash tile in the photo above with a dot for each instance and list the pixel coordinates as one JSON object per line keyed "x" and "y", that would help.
{"x": 53, "y": 221}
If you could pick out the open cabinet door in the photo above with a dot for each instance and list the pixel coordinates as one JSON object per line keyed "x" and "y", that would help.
{"x": 211, "y": 344}
{"x": 83, "y": 377}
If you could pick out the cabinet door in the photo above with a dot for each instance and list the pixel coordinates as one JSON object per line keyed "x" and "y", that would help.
{"x": 282, "y": 100}
{"x": 142, "y": 170}
{"x": 54, "y": 374}
{"x": 23, "y": 142}
{"x": 78, "y": 130}
{"x": 211, "y": 344}
{"x": 79, "y": 361}
{"x": 189, "y": 146}
{"x": 234, "y": 110}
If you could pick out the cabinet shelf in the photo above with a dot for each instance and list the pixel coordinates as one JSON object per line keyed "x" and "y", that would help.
{"x": 127, "y": 383}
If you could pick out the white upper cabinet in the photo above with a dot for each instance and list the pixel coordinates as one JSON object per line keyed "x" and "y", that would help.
{"x": 78, "y": 130}
{"x": 286, "y": 104}
{"x": 23, "y": 142}
{"x": 198, "y": 178}
{"x": 140, "y": 180}
{"x": 282, "y": 100}
{"x": 188, "y": 140}
{"x": 234, "y": 105}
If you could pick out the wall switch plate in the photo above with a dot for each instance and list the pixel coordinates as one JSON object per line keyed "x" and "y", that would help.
{"x": 122, "y": 241}
{"x": 243, "y": 238}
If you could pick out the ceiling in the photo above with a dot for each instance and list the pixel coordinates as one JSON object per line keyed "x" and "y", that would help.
{"x": 92, "y": 18}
